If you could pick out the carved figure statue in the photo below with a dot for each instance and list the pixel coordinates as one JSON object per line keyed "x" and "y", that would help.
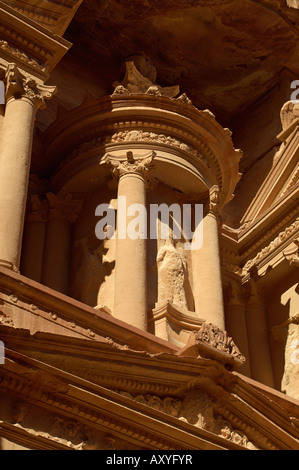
{"x": 172, "y": 275}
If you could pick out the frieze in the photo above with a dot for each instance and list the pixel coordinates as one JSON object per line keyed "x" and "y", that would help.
{"x": 282, "y": 238}
{"x": 196, "y": 409}
{"x": 140, "y": 136}
{"x": 96, "y": 417}
{"x": 4, "y": 45}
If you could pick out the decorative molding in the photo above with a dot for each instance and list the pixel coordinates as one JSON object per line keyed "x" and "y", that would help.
{"x": 282, "y": 238}
{"x": 213, "y": 343}
{"x": 289, "y": 113}
{"x": 5, "y": 46}
{"x": 141, "y": 165}
{"x": 292, "y": 254}
{"x": 33, "y": 47}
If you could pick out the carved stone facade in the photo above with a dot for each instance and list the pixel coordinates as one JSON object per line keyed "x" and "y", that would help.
{"x": 149, "y": 228}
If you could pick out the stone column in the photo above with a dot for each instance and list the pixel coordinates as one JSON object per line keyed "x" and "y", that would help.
{"x": 63, "y": 212}
{"x": 130, "y": 297}
{"x": 34, "y": 239}
{"x": 260, "y": 359}
{"x": 24, "y": 96}
{"x": 236, "y": 324}
{"x": 207, "y": 284}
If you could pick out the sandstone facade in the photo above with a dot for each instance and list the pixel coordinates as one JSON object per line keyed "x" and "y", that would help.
{"x": 97, "y": 331}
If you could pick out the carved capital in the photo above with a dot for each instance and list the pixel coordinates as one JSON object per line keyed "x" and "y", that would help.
{"x": 235, "y": 294}
{"x": 214, "y": 199}
{"x": 65, "y": 208}
{"x": 289, "y": 113}
{"x": 292, "y": 254}
{"x": 20, "y": 85}
{"x": 38, "y": 210}
{"x": 140, "y": 165}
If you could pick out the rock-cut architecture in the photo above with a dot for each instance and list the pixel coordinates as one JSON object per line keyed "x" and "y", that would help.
{"x": 149, "y": 225}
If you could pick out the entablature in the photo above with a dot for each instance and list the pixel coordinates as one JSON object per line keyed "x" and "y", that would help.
{"x": 181, "y": 136}
{"x": 33, "y": 48}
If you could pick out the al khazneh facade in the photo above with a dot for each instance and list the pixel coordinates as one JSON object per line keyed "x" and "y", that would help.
{"x": 201, "y": 343}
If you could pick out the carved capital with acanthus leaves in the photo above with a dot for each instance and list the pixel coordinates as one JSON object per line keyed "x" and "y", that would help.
{"x": 140, "y": 165}
{"x": 212, "y": 203}
{"x": 21, "y": 85}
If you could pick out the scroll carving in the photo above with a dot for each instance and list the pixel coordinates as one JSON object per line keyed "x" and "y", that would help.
{"x": 139, "y": 165}
{"x": 20, "y": 85}
{"x": 277, "y": 242}
{"x": 289, "y": 112}
{"x": 212, "y": 342}
{"x": 219, "y": 339}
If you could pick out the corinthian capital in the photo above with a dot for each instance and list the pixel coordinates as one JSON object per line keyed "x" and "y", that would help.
{"x": 140, "y": 165}
{"x": 19, "y": 85}
{"x": 65, "y": 208}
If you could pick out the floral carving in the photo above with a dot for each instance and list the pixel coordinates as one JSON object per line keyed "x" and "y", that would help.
{"x": 219, "y": 339}
{"x": 131, "y": 165}
{"x": 281, "y": 238}
{"x": 20, "y": 85}
{"x": 22, "y": 56}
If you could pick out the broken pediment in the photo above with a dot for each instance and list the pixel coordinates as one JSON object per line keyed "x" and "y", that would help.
{"x": 283, "y": 178}
{"x": 169, "y": 403}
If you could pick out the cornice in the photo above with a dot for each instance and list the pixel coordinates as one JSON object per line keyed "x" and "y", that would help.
{"x": 55, "y": 15}
{"x": 73, "y": 316}
{"x": 87, "y": 405}
{"x": 33, "y": 48}
{"x": 99, "y": 409}
{"x": 259, "y": 241}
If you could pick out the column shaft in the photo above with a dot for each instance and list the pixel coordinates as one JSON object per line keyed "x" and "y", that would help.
{"x": 131, "y": 257}
{"x": 260, "y": 359}
{"x": 57, "y": 254}
{"x": 15, "y": 156}
{"x": 34, "y": 241}
{"x": 207, "y": 285}
{"x": 236, "y": 327}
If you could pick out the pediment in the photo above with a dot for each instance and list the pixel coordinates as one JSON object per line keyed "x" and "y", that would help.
{"x": 89, "y": 393}
{"x": 283, "y": 177}
{"x": 50, "y": 14}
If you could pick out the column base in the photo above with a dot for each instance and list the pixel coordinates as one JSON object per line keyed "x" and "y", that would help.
{"x": 173, "y": 324}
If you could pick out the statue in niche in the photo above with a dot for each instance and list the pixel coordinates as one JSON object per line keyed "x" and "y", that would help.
{"x": 90, "y": 267}
{"x": 172, "y": 274}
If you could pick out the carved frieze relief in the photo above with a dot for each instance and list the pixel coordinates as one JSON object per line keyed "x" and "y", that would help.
{"x": 282, "y": 238}
{"x": 22, "y": 56}
{"x": 210, "y": 341}
{"x": 195, "y": 408}
{"x": 203, "y": 153}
